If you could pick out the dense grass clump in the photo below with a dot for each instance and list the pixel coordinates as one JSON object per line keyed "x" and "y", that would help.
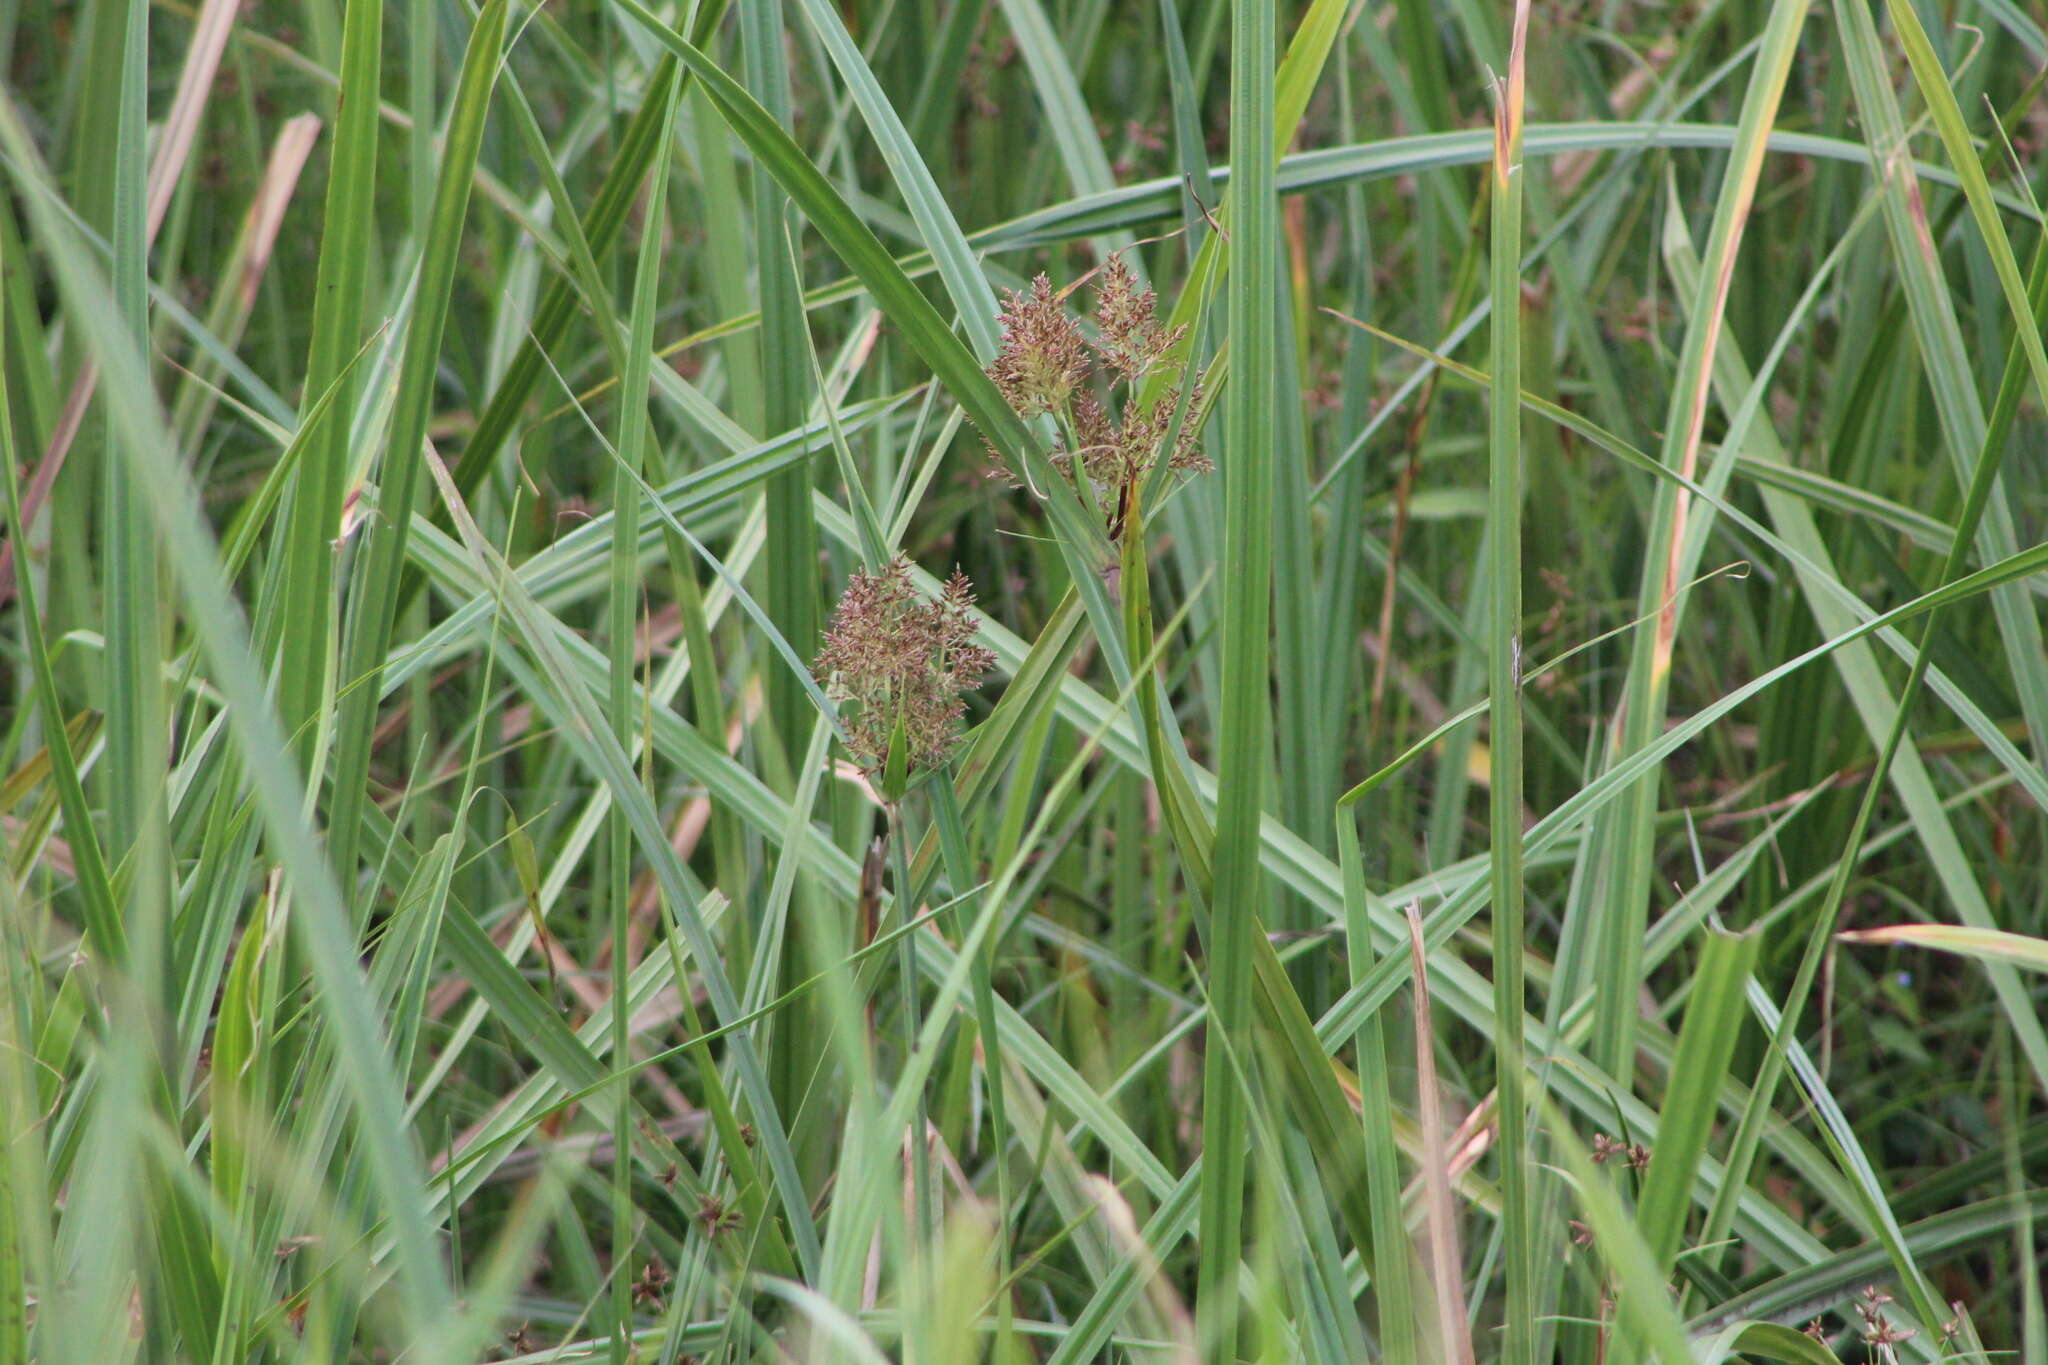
{"x": 1035, "y": 681}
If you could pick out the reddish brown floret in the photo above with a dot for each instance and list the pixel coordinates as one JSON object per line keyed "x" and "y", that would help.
{"x": 1043, "y": 357}
{"x": 891, "y": 657}
{"x": 1129, "y": 337}
{"x": 1045, "y": 366}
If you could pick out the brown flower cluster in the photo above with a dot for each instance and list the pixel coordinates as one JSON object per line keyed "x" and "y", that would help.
{"x": 891, "y": 658}
{"x": 1045, "y": 365}
{"x": 1606, "y": 1149}
{"x": 1131, "y": 340}
{"x": 1877, "y": 1329}
{"x": 1043, "y": 357}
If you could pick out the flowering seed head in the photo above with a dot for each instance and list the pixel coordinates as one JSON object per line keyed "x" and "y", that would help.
{"x": 1187, "y": 457}
{"x": 715, "y": 1216}
{"x": 1099, "y": 440}
{"x": 1117, "y": 454}
{"x": 1046, "y": 366}
{"x": 891, "y": 658}
{"x": 1043, "y": 356}
{"x": 653, "y": 1280}
{"x": 1130, "y": 339}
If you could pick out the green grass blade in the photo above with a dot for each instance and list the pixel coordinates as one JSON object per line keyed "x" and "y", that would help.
{"x": 305, "y": 622}
{"x": 373, "y": 600}
{"x": 1607, "y": 954}
{"x": 102, "y": 910}
{"x": 973, "y": 300}
{"x": 623, "y": 605}
{"x": 791, "y": 585}
{"x": 1247, "y": 472}
{"x": 1713, "y": 1020}
{"x": 1955, "y": 136}
{"x": 1521, "y": 1250}
{"x": 1392, "y": 1254}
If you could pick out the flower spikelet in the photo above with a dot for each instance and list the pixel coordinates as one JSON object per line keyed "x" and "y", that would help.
{"x": 891, "y": 657}
{"x": 1096, "y": 436}
{"x": 1129, "y": 337}
{"x": 1116, "y": 454}
{"x": 1043, "y": 356}
{"x": 1138, "y": 441}
{"x": 1107, "y": 434}
{"x": 1187, "y": 456}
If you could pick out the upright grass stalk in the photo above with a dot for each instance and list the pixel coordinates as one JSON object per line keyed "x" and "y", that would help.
{"x": 921, "y": 1202}
{"x": 136, "y": 716}
{"x": 1504, "y": 712}
{"x": 1605, "y": 952}
{"x": 104, "y": 931}
{"x": 1452, "y": 1341}
{"x": 1393, "y": 1278}
{"x": 373, "y": 603}
{"x": 304, "y": 628}
{"x": 132, "y": 1075}
{"x": 791, "y": 594}
{"x": 960, "y": 870}
{"x": 1247, "y": 459}
{"x": 622, "y": 609}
